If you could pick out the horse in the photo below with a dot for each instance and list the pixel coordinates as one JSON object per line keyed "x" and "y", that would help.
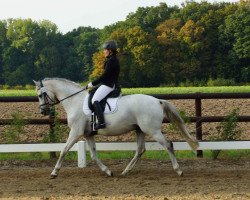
{"x": 141, "y": 113}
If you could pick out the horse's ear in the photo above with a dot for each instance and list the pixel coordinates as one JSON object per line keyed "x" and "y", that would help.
{"x": 36, "y": 83}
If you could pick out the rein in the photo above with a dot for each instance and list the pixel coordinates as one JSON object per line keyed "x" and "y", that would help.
{"x": 59, "y": 101}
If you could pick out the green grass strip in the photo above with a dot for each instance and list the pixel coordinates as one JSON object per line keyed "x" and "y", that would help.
{"x": 187, "y": 90}
{"x": 155, "y": 90}
{"x": 116, "y": 155}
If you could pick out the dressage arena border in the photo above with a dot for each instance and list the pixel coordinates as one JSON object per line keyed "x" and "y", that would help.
{"x": 81, "y": 147}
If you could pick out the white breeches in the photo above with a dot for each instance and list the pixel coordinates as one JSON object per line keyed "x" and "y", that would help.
{"x": 101, "y": 93}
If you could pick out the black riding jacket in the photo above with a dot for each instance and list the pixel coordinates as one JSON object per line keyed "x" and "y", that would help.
{"x": 110, "y": 74}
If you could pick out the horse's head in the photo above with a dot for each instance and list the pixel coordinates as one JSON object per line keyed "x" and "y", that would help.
{"x": 46, "y": 98}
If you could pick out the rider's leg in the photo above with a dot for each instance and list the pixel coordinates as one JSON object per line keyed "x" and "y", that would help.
{"x": 100, "y": 93}
{"x": 99, "y": 113}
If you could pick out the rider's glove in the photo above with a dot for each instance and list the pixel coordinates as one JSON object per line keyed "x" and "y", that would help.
{"x": 90, "y": 85}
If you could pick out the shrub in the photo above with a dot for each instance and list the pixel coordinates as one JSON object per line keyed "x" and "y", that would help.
{"x": 29, "y": 87}
{"x": 220, "y": 82}
{"x": 12, "y": 133}
{"x": 58, "y": 131}
{"x": 18, "y": 87}
{"x": 6, "y": 87}
{"x": 228, "y": 130}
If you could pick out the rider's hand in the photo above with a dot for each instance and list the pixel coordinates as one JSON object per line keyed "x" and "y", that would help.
{"x": 90, "y": 85}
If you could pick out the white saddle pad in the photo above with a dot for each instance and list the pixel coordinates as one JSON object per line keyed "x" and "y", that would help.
{"x": 111, "y": 107}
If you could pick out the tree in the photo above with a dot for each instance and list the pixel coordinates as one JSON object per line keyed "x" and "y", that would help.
{"x": 22, "y": 34}
{"x": 212, "y": 54}
{"x": 3, "y": 45}
{"x": 98, "y": 61}
{"x": 86, "y": 43}
{"x": 15, "y": 67}
{"x": 145, "y": 69}
{"x": 167, "y": 36}
{"x": 235, "y": 34}
{"x": 191, "y": 41}
{"x": 149, "y": 17}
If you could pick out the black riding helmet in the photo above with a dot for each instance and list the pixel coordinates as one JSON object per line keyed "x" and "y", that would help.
{"x": 110, "y": 45}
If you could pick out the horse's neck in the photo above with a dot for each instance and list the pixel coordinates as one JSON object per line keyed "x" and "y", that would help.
{"x": 62, "y": 91}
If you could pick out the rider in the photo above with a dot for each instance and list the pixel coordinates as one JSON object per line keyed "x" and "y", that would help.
{"x": 108, "y": 80}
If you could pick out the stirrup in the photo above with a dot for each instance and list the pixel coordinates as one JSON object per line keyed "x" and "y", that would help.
{"x": 100, "y": 126}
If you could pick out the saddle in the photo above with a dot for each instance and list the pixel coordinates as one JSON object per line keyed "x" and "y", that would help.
{"x": 114, "y": 94}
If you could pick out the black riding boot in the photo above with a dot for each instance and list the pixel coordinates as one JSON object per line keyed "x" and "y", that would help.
{"x": 99, "y": 112}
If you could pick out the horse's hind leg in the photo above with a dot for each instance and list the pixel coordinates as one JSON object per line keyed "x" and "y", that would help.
{"x": 92, "y": 148}
{"x": 158, "y": 136}
{"x": 140, "y": 150}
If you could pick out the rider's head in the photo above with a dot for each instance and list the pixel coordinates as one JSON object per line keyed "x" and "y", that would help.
{"x": 110, "y": 48}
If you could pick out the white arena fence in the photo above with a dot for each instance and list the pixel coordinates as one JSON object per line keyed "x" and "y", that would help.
{"x": 81, "y": 147}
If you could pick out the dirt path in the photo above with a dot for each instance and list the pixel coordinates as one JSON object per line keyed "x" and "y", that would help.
{"x": 203, "y": 179}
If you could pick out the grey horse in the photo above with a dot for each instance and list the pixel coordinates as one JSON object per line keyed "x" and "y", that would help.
{"x": 142, "y": 113}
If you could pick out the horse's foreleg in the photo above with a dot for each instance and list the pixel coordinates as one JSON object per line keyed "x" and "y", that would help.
{"x": 73, "y": 138}
{"x": 158, "y": 136}
{"x": 140, "y": 150}
{"x": 92, "y": 148}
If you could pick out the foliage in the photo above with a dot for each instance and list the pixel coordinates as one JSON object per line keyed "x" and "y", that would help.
{"x": 12, "y": 134}
{"x": 158, "y": 45}
{"x": 220, "y": 82}
{"x": 98, "y": 60}
{"x": 58, "y": 131}
{"x": 228, "y": 130}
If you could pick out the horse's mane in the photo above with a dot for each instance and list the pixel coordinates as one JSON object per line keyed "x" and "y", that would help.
{"x": 64, "y": 80}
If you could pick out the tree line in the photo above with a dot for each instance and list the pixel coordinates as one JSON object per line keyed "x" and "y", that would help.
{"x": 158, "y": 45}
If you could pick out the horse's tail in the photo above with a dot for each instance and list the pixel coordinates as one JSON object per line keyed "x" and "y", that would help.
{"x": 174, "y": 117}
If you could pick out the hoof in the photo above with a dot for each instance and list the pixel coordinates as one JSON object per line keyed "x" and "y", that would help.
{"x": 181, "y": 174}
{"x": 124, "y": 173}
{"x": 53, "y": 176}
{"x": 108, "y": 172}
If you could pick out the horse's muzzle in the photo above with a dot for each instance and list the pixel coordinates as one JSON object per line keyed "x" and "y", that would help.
{"x": 45, "y": 111}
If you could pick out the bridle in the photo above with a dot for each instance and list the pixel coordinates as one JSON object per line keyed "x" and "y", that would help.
{"x": 48, "y": 101}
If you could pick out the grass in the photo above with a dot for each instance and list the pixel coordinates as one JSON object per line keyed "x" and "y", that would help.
{"x": 14, "y": 93}
{"x": 118, "y": 155}
{"x": 187, "y": 90}
{"x": 156, "y": 90}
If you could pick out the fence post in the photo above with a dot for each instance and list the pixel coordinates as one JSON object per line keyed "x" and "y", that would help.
{"x": 81, "y": 154}
{"x": 198, "y": 123}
